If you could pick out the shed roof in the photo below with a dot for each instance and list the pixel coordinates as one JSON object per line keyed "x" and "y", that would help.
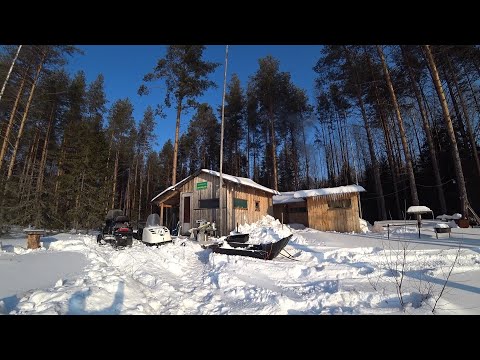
{"x": 328, "y": 191}
{"x": 286, "y": 198}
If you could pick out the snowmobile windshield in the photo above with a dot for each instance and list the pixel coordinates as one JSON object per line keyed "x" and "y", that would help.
{"x": 153, "y": 220}
{"x": 112, "y": 214}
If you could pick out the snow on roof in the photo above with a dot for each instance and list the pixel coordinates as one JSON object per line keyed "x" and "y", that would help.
{"x": 455, "y": 216}
{"x": 241, "y": 180}
{"x": 235, "y": 179}
{"x": 164, "y": 191}
{"x": 418, "y": 209}
{"x": 286, "y": 198}
{"x": 328, "y": 191}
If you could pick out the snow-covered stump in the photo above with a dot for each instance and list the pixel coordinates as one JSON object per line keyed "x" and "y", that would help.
{"x": 33, "y": 238}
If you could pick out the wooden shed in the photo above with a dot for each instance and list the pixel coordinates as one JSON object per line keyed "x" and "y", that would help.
{"x": 197, "y": 198}
{"x": 290, "y": 209}
{"x": 327, "y": 209}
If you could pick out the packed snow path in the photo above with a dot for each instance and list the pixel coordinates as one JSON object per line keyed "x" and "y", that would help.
{"x": 335, "y": 274}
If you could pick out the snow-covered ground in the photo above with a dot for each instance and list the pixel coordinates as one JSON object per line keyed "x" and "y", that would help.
{"x": 333, "y": 274}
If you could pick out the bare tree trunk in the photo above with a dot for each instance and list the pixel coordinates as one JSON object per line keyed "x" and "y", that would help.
{"x": 397, "y": 155}
{"x": 391, "y": 163}
{"x": 408, "y": 160}
{"x": 428, "y": 134}
{"x": 274, "y": 149}
{"x": 78, "y": 197}
{"x": 431, "y": 116}
{"x": 393, "y": 168}
{"x": 43, "y": 162}
{"x": 10, "y": 71}
{"x": 248, "y": 150}
{"x": 25, "y": 176}
{"x": 459, "y": 119}
{"x": 107, "y": 191}
{"x": 140, "y": 198}
{"x": 347, "y": 149}
{"x": 415, "y": 131}
{"x": 388, "y": 143}
{"x": 255, "y": 175}
{"x": 473, "y": 143}
{"x": 382, "y": 212}
{"x": 11, "y": 119}
{"x": 114, "y": 189}
{"x": 331, "y": 157}
{"x": 127, "y": 196}
{"x": 135, "y": 184}
{"x": 24, "y": 118}
{"x": 121, "y": 203}
{"x": 472, "y": 90}
{"x": 59, "y": 173}
{"x": 175, "y": 147}
{"x": 306, "y": 155}
{"x": 148, "y": 188}
{"x": 33, "y": 163}
{"x": 25, "y": 170}
{"x": 448, "y": 122}
{"x": 343, "y": 171}
{"x": 327, "y": 156}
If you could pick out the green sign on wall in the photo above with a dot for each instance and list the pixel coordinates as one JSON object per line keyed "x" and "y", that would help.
{"x": 202, "y": 185}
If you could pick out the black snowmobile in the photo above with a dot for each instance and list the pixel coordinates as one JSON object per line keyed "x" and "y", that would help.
{"x": 117, "y": 230}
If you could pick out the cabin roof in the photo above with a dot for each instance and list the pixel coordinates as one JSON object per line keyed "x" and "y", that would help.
{"x": 234, "y": 179}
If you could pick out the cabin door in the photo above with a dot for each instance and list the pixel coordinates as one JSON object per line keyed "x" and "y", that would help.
{"x": 186, "y": 212}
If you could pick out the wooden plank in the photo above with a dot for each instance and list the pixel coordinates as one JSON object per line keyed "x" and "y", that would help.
{"x": 161, "y": 214}
{"x": 321, "y": 217}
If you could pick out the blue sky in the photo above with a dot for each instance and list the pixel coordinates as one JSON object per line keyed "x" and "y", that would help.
{"x": 124, "y": 66}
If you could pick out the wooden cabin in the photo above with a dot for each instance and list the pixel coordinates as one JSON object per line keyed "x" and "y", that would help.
{"x": 197, "y": 198}
{"x": 327, "y": 209}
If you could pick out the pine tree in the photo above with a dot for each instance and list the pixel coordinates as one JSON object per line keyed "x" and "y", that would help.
{"x": 185, "y": 76}
{"x": 235, "y": 123}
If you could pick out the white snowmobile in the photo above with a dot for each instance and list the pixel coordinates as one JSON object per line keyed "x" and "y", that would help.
{"x": 154, "y": 233}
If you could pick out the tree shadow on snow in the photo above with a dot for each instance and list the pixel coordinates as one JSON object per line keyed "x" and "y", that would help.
{"x": 47, "y": 240}
{"x": 76, "y": 304}
{"x": 8, "y": 248}
{"x": 8, "y": 303}
{"x": 437, "y": 281}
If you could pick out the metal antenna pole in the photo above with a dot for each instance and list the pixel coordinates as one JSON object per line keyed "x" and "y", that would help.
{"x": 220, "y": 205}
{"x": 10, "y": 71}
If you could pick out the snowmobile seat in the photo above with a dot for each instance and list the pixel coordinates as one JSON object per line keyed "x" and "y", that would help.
{"x": 121, "y": 219}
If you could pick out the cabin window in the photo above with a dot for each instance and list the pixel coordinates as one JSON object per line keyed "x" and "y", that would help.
{"x": 297, "y": 210}
{"x": 340, "y": 204}
{"x": 240, "y": 203}
{"x": 257, "y": 205}
{"x": 208, "y": 203}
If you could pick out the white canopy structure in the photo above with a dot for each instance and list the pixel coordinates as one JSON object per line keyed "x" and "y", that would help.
{"x": 419, "y": 210}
